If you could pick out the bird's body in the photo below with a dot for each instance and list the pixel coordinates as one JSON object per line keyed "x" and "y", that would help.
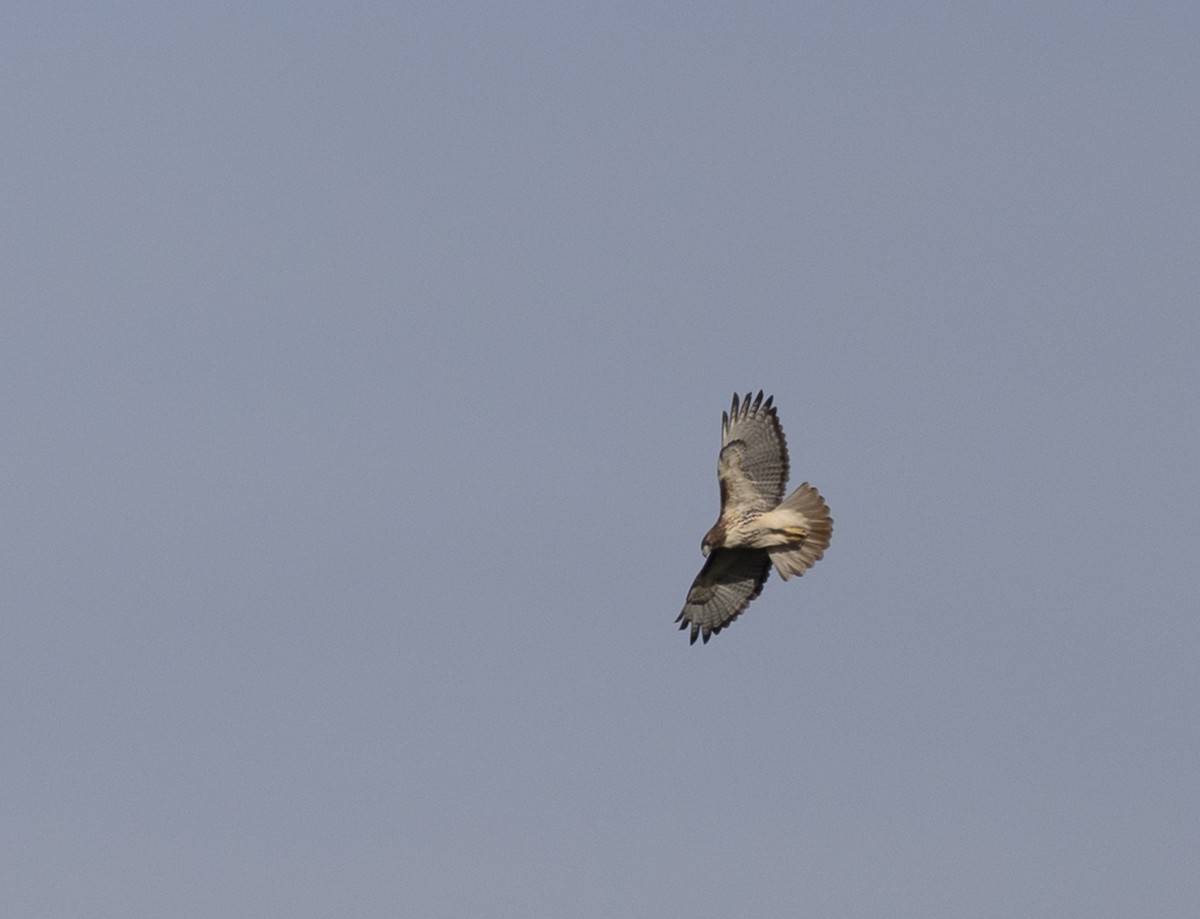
{"x": 757, "y": 528}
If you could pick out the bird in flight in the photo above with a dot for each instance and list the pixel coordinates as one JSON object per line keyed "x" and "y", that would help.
{"x": 757, "y": 527}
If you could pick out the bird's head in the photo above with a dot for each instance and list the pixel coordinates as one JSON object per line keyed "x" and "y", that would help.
{"x": 712, "y": 539}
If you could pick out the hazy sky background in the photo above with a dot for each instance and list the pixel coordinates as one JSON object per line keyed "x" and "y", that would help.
{"x": 362, "y": 370}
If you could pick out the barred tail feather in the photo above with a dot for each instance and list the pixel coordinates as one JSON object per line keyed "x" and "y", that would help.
{"x": 797, "y": 558}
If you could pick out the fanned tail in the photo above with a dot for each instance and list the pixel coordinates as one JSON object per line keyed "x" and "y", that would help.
{"x": 812, "y": 515}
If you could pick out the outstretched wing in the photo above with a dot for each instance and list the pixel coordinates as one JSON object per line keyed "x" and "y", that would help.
{"x": 753, "y": 465}
{"x": 729, "y": 580}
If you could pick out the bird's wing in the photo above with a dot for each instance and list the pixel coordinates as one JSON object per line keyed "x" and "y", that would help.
{"x": 753, "y": 465}
{"x": 729, "y": 580}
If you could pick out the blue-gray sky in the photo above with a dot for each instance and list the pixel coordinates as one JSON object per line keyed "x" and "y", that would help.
{"x": 362, "y": 370}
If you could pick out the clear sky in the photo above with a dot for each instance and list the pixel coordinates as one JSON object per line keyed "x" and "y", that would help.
{"x": 362, "y": 368}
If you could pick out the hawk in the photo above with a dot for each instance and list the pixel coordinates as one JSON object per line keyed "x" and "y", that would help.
{"x": 757, "y": 527}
